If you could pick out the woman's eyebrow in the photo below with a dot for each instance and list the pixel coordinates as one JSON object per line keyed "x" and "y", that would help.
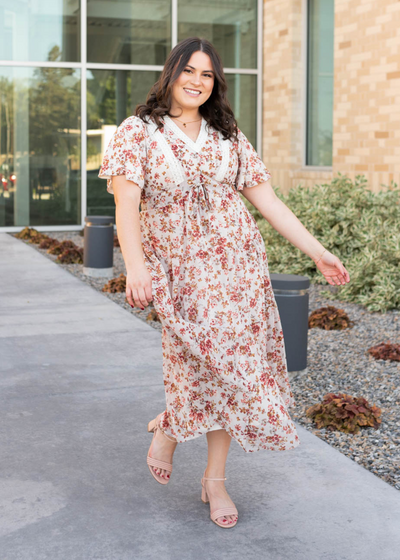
{"x": 212, "y": 71}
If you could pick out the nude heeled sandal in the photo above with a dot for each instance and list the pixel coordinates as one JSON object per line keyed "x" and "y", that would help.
{"x": 153, "y": 426}
{"x": 218, "y": 512}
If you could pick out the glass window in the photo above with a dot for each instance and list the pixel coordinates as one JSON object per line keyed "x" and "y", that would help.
{"x": 127, "y": 32}
{"x": 112, "y": 96}
{"x": 230, "y": 25}
{"x": 242, "y": 95}
{"x": 39, "y": 146}
{"x": 40, "y": 31}
{"x": 320, "y": 82}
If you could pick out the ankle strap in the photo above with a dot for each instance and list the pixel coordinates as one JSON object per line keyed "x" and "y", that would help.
{"x": 206, "y": 478}
{"x": 158, "y": 427}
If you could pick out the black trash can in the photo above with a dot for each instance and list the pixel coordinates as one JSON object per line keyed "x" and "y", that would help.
{"x": 98, "y": 249}
{"x": 291, "y": 296}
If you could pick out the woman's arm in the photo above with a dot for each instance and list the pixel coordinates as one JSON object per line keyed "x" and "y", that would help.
{"x": 127, "y": 217}
{"x": 289, "y": 226}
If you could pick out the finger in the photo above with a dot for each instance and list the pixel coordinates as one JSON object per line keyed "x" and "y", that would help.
{"x": 148, "y": 292}
{"x": 347, "y": 275}
{"x": 344, "y": 272}
{"x": 142, "y": 297}
{"x": 137, "y": 299}
{"x": 128, "y": 294}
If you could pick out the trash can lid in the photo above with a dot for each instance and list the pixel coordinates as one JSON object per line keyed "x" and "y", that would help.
{"x": 289, "y": 282}
{"x": 100, "y": 220}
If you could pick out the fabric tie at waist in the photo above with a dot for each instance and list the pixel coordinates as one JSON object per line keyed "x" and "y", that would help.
{"x": 198, "y": 196}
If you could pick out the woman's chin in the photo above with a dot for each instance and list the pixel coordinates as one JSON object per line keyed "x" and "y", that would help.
{"x": 190, "y": 103}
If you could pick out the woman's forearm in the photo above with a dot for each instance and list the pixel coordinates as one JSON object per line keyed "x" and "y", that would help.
{"x": 283, "y": 220}
{"x": 127, "y": 218}
{"x": 287, "y": 224}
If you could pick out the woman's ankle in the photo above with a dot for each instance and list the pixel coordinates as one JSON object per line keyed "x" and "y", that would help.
{"x": 214, "y": 473}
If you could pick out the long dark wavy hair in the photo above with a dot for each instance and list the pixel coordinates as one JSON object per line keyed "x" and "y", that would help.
{"x": 216, "y": 110}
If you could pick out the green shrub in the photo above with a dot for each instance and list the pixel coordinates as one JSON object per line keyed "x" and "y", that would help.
{"x": 357, "y": 225}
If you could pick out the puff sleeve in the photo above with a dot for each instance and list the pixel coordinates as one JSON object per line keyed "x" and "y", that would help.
{"x": 126, "y": 153}
{"x": 251, "y": 169}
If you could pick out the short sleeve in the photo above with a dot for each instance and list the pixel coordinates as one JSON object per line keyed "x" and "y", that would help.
{"x": 251, "y": 169}
{"x": 126, "y": 153}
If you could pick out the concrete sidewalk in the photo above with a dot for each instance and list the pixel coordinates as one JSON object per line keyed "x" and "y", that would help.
{"x": 80, "y": 378}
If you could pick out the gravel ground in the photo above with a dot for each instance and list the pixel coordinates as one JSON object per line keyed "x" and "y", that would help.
{"x": 337, "y": 362}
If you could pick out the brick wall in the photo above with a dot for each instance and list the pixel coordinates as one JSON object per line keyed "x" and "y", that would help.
{"x": 366, "y": 117}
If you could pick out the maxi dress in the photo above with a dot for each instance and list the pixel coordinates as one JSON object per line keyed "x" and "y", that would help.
{"x": 224, "y": 361}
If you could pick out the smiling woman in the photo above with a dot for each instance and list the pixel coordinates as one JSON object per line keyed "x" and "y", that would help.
{"x": 197, "y": 253}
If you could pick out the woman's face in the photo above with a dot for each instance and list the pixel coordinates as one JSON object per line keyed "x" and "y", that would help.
{"x": 195, "y": 83}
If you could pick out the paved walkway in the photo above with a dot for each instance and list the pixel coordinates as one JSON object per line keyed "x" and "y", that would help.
{"x": 80, "y": 378}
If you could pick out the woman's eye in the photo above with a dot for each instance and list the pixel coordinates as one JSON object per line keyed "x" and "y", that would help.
{"x": 187, "y": 70}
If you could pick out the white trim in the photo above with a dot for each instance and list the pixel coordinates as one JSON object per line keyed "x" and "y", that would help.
{"x": 41, "y": 64}
{"x": 111, "y": 66}
{"x": 304, "y": 41}
{"x": 16, "y": 229}
{"x": 101, "y": 66}
{"x": 260, "y": 74}
{"x": 83, "y": 112}
{"x": 176, "y": 169}
{"x": 174, "y": 23}
{"x": 201, "y": 138}
{"x": 225, "y": 149}
{"x": 252, "y": 71}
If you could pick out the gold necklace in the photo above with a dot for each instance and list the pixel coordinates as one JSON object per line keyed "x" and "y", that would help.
{"x": 187, "y": 122}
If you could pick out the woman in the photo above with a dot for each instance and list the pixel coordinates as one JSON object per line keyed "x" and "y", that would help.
{"x": 197, "y": 253}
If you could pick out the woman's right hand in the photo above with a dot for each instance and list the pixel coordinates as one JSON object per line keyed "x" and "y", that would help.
{"x": 139, "y": 287}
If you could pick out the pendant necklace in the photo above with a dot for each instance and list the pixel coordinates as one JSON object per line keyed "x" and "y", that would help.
{"x": 188, "y": 122}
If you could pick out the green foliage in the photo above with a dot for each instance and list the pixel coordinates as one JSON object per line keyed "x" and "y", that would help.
{"x": 357, "y": 225}
{"x": 344, "y": 413}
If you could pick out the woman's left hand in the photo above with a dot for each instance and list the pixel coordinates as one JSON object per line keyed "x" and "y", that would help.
{"x": 332, "y": 269}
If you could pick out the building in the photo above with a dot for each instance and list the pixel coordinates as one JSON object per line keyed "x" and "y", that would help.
{"x": 314, "y": 84}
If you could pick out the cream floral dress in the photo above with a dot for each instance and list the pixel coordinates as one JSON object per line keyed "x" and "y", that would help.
{"x": 224, "y": 362}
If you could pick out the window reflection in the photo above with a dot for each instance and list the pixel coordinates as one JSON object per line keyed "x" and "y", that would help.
{"x": 242, "y": 95}
{"x": 128, "y": 32}
{"x": 230, "y": 25}
{"x": 40, "y": 31}
{"x": 39, "y": 146}
{"x": 320, "y": 82}
{"x": 112, "y": 96}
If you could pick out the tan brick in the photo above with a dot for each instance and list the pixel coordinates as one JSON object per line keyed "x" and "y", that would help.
{"x": 366, "y": 112}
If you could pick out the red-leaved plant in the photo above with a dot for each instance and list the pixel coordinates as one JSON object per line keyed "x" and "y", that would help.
{"x": 344, "y": 413}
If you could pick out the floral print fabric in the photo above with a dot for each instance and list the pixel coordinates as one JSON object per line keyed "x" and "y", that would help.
{"x": 224, "y": 359}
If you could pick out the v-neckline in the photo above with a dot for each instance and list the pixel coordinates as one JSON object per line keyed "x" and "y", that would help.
{"x": 194, "y": 145}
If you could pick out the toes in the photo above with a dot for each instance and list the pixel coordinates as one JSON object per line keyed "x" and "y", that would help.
{"x": 161, "y": 473}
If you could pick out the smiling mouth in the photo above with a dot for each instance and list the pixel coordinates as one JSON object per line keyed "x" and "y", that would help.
{"x": 192, "y": 91}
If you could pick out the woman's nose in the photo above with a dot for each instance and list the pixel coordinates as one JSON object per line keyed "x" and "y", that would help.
{"x": 196, "y": 80}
